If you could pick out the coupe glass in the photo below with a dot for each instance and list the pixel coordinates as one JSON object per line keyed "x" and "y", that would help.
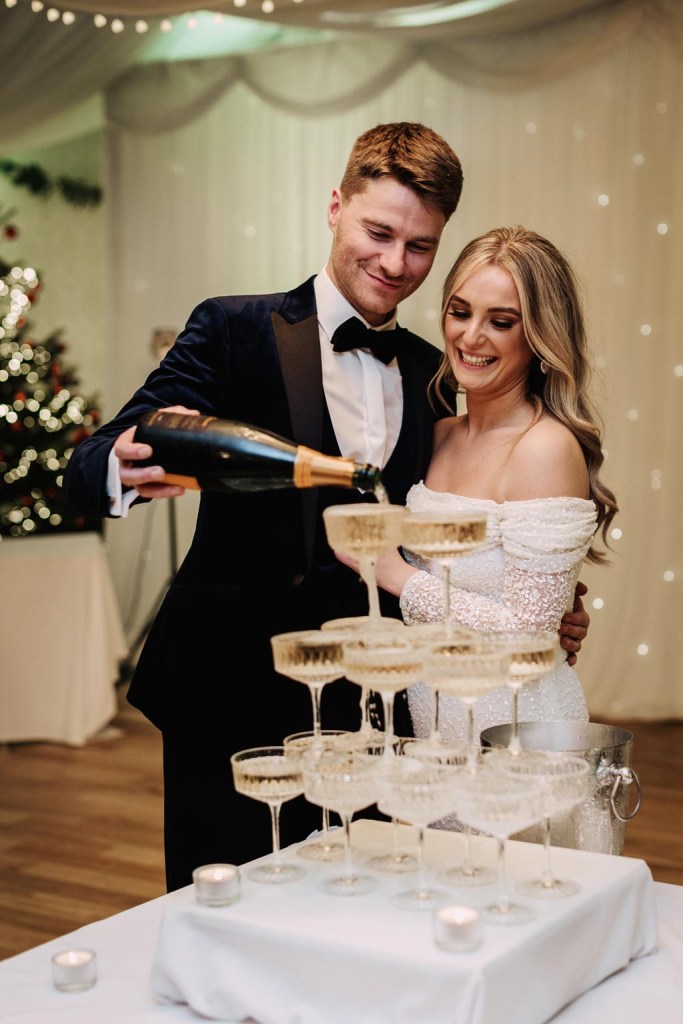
{"x": 566, "y": 780}
{"x": 310, "y": 656}
{"x": 356, "y": 625}
{"x": 326, "y": 848}
{"x": 420, "y": 793}
{"x": 396, "y": 860}
{"x": 344, "y": 781}
{"x": 451, "y": 752}
{"x": 441, "y": 538}
{"x": 467, "y": 671}
{"x": 498, "y": 804}
{"x": 428, "y": 636}
{"x": 533, "y": 653}
{"x": 384, "y": 662}
{"x": 364, "y": 532}
{"x": 273, "y": 775}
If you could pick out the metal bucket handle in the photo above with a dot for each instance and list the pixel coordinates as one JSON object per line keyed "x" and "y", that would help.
{"x": 616, "y": 776}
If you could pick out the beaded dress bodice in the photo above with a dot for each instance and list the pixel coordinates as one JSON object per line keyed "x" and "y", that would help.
{"x": 522, "y": 578}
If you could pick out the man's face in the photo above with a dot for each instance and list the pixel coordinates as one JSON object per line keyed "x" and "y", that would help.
{"x": 385, "y": 241}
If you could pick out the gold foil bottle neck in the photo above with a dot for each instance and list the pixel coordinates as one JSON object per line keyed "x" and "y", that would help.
{"x": 313, "y": 469}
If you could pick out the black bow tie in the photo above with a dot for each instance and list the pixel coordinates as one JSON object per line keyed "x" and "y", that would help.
{"x": 354, "y": 334}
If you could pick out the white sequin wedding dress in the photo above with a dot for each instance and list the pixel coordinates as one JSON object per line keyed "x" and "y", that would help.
{"x": 522, "y": 578}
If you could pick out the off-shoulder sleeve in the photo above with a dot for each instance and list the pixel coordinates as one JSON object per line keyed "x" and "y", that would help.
{"x": 544, "y": 543}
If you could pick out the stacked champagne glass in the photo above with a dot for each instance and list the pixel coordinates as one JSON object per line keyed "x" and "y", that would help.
{"x": 417, "y": 782}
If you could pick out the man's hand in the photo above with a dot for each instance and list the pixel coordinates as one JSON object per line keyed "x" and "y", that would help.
{"x": 574, "y": 625}
{"x": 144, "y": 479}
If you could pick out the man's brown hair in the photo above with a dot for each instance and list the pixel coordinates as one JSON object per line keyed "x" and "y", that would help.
{"x": 412, "y": 154}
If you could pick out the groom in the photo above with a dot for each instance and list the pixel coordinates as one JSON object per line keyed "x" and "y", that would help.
{"x": 259, "y": 564}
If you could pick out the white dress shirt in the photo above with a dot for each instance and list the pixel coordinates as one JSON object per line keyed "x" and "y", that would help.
{"x": 364, "y": 396}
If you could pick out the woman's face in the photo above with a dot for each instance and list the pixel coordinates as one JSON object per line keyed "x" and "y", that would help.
{"x": 484, "y": 333}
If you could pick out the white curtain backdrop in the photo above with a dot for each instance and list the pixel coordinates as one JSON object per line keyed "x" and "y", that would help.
{"x": 232, "y": 198}
{"x": 219, "y": 172}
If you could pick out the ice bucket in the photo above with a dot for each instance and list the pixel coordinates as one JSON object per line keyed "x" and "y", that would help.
{"x": 599, "y": 824}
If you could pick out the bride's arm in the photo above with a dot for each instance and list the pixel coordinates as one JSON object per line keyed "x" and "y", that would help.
{"x": 544, "y": 544}
{"x": 530, "y": 600}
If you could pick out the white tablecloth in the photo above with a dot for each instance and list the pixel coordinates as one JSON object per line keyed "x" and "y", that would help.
{"x": 334, "y": 960}
{"x": 649, "y": 989}
{"x": 61, "y": 638}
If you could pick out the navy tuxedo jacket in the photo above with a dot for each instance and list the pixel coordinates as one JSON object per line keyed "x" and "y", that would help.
{"x": 253, "y": 568}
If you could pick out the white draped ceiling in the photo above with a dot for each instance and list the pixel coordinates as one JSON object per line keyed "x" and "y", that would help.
{"x": 567, "y": 117}
{"x": 497, "y": 44}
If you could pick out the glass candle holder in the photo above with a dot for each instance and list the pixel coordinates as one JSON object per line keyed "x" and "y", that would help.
{"x": 216, "y": 885}
{"x": 74, "y": 970}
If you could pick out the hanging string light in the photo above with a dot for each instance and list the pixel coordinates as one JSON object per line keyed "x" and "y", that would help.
{"x": 119, "y": 23}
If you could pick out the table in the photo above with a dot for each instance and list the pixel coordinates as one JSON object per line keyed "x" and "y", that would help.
{"x": 649, "y": 989}
{"x": 61, "y": 638}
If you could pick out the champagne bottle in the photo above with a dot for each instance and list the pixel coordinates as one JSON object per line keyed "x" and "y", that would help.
{"x": 207, "y": 453}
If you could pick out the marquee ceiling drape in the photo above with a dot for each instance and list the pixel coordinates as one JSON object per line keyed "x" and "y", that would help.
{"x": 461, "y": 17}
{"x": 500, "y": 43}
{"x": 49, "y": 67}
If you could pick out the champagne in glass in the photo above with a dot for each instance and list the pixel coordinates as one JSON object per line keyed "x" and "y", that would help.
{"x": 467, "y": 669}
{"x": 310, "y": 656}
{"x": 364, "y": 532}
{"x": 386, "y": 663}
{"x": 533, "y": 653}
{"x": 427, "y": 637}
{"x": 355, "y": 625}
{"x": 344, "y": 781}
{"x": 441, "y": 538}
{"x": 273, "y": 775}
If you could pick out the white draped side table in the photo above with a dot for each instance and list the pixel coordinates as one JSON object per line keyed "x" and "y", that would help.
{"x": 61, "y": 638}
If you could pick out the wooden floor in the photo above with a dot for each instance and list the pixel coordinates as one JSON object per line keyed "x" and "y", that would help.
{"x": 81, "y": 828}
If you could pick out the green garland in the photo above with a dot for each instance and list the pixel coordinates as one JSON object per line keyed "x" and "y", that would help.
{"x": 35, "y": 179}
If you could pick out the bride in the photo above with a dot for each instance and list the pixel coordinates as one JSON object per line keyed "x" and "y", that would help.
{"x": 527, "y": 452}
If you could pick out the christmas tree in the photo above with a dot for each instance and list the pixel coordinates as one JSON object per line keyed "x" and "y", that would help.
{"x": 42, "y": 415}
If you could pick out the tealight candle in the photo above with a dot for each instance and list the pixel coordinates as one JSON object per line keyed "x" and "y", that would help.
{"x": 457, "y": 928}
{"x": 216, "y": 885}
{"x": 74, "y": 970}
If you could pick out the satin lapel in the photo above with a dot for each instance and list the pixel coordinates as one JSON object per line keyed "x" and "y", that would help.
{"x": 298, "y": 348}
{"x": 417, "y": 424}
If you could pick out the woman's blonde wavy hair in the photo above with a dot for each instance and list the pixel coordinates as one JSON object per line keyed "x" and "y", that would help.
{"x": 555, "y": 332}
